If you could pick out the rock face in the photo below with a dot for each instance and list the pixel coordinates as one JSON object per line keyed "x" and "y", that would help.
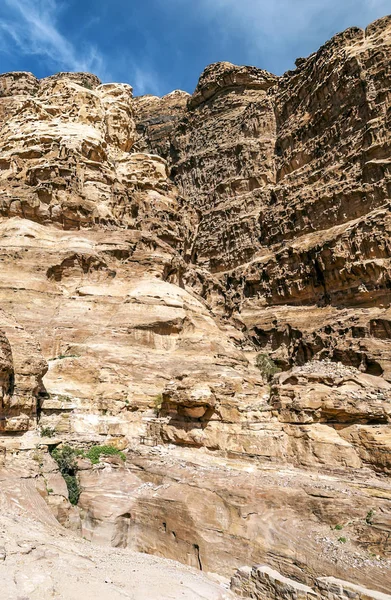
{"x": 230, "y": 115}
{"x": 39, "y": 559}
{"x": 151, "y": 248}
{"x": 22, "y": 367}
{"x": 215, "y": 514}
{"x": 263, "y": 583}
{"x": 92, "y": 241}
{"x": 156, "y": 119}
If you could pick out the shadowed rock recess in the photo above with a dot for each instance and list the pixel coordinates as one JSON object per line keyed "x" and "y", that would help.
{"x": 151, "y": 249}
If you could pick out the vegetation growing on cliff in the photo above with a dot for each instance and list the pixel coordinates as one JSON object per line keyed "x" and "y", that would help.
{"x": 96, "y": 452}
{"x": 267, "y": 366}
{"x": 65, "y": 457}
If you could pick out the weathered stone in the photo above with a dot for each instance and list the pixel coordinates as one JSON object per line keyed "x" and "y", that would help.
{"x": 262, "y": 583}
{"x": 150, "y": 249}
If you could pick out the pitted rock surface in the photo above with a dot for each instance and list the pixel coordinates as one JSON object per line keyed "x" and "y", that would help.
{"x": 150, "y": 249}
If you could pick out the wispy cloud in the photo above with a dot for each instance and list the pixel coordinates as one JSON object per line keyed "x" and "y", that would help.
{"x": 145, "y": 81}
{"x": 31, "y": 26}
{"x": 261, "y": 15}
{"x": 157, "y": 45}
{"x": 276, "y": 29}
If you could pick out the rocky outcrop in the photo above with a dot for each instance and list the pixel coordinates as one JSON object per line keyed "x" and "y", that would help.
{"x": 156, "y": 119}
{"x": 322, "y": 413}
{"x": 94, "y": 233}
{"x": 22, "y": 368}
{"x": 308, "y": 286}
{"x": 214, "y": 514}
{"x": 135, "y": 333}
{"x": 151, "y": 248}
{"x": 297, "y": 217}
{"x": 230, "y": 114}
{"x": 40, "y": 559}
{"x": 145, "y": 267}
{"x": 262, "y": 583}
{"x": 69, "y": 163}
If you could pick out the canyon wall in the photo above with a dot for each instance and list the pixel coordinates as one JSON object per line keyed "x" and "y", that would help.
{"x": 151, "y": 249}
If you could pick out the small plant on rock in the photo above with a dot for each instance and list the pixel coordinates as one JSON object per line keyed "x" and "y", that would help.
{"x": 369, "y": 517}
{"x": 65, "y": 457}
{"x": 158, "y": 403}
{"x": 338, "y": 527}
{"x": 96, "y": 452}
{"x": 73, "y": 488}
{"x": 37, "y": 456}
{"x": 47, "y": 432}
{"x": 267, "y": 366}
{"x": 342, "y": 540}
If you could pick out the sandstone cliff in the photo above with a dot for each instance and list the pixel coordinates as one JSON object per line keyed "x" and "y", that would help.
{"x": 150, "y": 249}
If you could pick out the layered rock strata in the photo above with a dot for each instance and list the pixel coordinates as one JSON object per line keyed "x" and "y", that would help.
{"x": 262, "y": 583}
{"x": 293, "y": 219}
{"x": 91, "y": 241}
{"x": 215, "y": 514}
{"x": 40, "y": 559}
{"x": 150, "y": 249}
{"x": 22, "y": 368}
{"x": 212, "y": 514}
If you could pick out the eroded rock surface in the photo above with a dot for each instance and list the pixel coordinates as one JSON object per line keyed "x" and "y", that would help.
{"x": 262, "y": 583}
{"x": 150, "y": 249}
{"x": 39, "y": 559}
{"x": 92, "y": 238}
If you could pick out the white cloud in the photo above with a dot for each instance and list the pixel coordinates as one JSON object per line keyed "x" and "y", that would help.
{"x": 267, "y": 33}
{"x": 276, "y": 29}
{"x": 292, "y": 15}
{"x": 32, "y": 27}
{"x": 145, "y": 81}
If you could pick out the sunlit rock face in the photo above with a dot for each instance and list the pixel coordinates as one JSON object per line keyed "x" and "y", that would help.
{"x": 150, "y": 249}
{"x": 93, "y": 235}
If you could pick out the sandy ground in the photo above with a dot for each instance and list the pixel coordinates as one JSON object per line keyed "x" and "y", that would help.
{"x": 40, "y": 565}
{"x": 40, "y": 560}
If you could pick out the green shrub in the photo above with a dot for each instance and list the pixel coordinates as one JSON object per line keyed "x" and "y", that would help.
{"x": 338, "y": 527}
{"x": 369, "y": 517}
{"x": 158, "y": 402}
{"x": 47, "y": 432}
{"x": 65, "y": 457}
{"x": 343, "y": 540}
{"x": 96, "y": 452}
{"x": 73, "y": 488}
{"x": 267, "y": 366}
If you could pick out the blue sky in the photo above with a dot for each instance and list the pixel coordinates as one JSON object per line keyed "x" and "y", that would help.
{"x": 161, "y": 45}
